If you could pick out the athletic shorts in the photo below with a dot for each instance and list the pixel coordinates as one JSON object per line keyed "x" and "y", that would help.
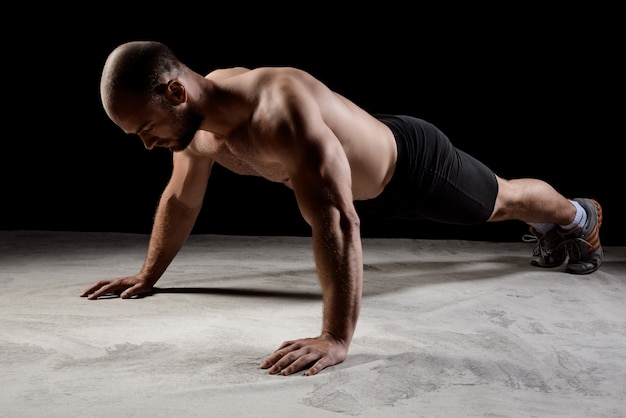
{"x": 433, "y": 180}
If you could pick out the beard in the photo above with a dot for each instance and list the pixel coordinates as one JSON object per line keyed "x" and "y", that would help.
{"x": 187, "y": 124}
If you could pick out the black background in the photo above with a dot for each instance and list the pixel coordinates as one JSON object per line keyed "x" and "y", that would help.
{"x": 531, "y": 92}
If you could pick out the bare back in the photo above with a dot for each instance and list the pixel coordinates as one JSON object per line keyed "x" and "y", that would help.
{"x": 242, "y": 148}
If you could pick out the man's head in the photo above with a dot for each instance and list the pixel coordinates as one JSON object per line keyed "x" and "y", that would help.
{"x": 143, "y": 92}
{"x": 136, "y": 68}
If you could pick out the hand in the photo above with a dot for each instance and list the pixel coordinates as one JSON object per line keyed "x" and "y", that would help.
{"x": 126, "y": 287}
{"x": 294, "y": 356}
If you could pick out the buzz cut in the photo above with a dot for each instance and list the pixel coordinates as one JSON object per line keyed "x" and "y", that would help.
{"x": 137, "y": 67}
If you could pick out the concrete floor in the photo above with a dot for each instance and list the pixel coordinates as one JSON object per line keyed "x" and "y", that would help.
{"x": 447, "y": 329}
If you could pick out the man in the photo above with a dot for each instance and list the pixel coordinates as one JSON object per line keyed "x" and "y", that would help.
{"x": 286, "y": 126}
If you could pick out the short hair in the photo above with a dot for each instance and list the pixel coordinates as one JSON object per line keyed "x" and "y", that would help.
{"x": 138, "y": 67}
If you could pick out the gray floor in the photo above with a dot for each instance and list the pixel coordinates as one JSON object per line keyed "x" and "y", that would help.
{"x": 447, "y": 329}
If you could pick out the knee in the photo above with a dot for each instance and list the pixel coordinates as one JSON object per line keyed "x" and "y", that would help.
{"x": 508, "y": 201}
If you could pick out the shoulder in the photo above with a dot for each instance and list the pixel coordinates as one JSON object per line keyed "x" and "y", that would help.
{"x": 288, "y": 77}
{"x": 224, "y": 73}
{"x": 263, "y": 79}
{"x": 280, "y": 86}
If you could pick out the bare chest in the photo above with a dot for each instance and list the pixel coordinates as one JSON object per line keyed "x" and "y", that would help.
{"x": 242, "y": 156}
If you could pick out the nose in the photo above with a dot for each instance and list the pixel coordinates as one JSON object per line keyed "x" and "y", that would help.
{"x": 148, "y": 141}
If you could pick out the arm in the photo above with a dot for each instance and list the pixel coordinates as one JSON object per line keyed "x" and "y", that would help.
{"x": 325, "y": 199}
{"x": 321, "y": 178}
{"x": 176, "y": 214}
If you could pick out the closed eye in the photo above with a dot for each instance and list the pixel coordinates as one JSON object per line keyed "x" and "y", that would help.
{"x": 143, "y": 129}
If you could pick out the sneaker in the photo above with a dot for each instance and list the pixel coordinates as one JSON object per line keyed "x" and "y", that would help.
{"x": 549, "y": 251}
{"x": 583, "y": 243}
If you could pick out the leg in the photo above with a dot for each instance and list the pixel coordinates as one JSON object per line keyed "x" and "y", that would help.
{"x": 535, "y": 201}
{"x": 531, "y": 200}
{"x": 434, "y": 180}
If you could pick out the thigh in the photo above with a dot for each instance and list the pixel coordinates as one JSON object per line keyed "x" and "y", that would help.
{"x": 463, "y": 190}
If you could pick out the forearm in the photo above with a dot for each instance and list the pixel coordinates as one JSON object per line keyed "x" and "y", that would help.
{"x": 339, "y": 259}
{"x": 173, "y": 223}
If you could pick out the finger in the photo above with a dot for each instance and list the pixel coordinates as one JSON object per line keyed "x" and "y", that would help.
{"x": 281, "y": 361}
{"x": 286, "y": 344}
{"x": 291, "y": 362}
{"x": 300, "y": 364}
{"x": 271, "y": 360}
{"x": 94, "y": 292}
{"x": 289, "y": 345}
{"x": 276, "y": 356}
{"x": 106, "y": 289}
{"x": 319, "y": 365}
{"x": 283, "y": 349}
{"x": 94, "y": 287}
{"x": 131, "y": 291}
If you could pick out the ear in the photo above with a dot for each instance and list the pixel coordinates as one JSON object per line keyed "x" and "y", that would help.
{"x": 175, "y": 92}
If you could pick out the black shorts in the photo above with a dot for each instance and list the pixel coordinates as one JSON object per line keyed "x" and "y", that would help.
{"x": 433, "y": 180}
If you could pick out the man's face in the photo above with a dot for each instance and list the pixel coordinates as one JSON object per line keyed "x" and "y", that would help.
{"x": 158, "y": 124}
{"x": 184, "y": 124}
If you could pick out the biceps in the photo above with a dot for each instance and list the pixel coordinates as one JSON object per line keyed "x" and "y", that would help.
{"x": 189, "y": 181}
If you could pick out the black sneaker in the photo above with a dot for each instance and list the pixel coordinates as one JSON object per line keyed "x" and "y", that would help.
{"x": 550, "y": 249}
{"x": 583, "y": 243}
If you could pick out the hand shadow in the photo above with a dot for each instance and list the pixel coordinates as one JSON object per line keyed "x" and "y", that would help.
{"x": 117, "y": 295}
{"x": 239, "y": 292}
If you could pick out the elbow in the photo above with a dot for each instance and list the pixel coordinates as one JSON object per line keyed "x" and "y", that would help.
{"x": 173, "y": 202}
{"x": 350, "y": 222}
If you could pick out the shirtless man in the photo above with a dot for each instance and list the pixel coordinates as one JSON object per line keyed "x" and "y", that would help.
{"x": 286, "y": 126}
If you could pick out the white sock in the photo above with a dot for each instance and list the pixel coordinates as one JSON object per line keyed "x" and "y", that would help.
{"x": 579, "y": 220}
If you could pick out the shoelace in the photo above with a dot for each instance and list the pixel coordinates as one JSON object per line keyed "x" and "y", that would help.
{"x": 533, "y": 238}
{"x": 541, "y": 244}
{"x": 544, "y": 244}
{"x": 530, "y": 238}
{"x": 576, "y": 246}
